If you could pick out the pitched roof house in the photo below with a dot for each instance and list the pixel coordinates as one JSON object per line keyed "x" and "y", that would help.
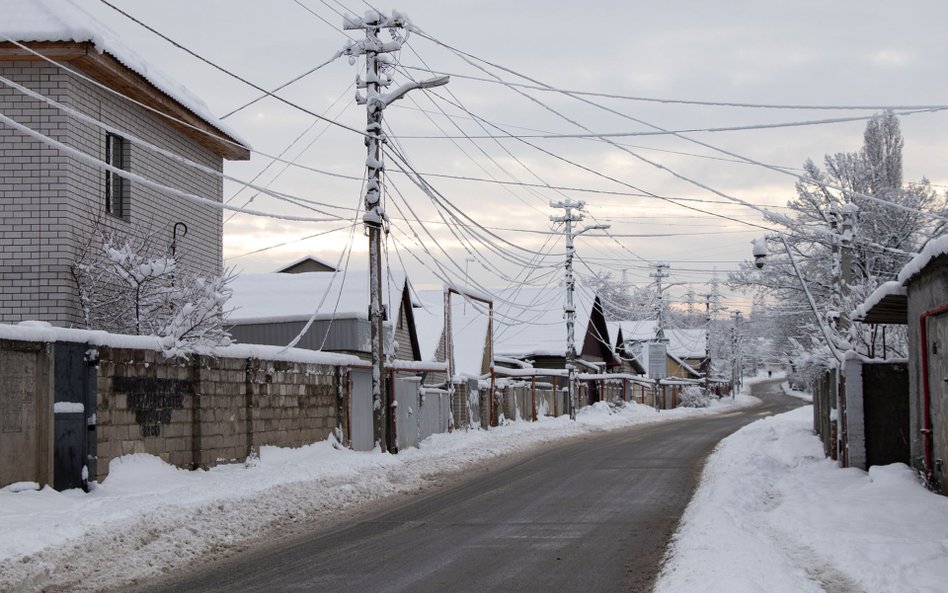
{"x": 273, "y": 308}
{"x": 529, "y": 324}
{"x": 53, "y": 197}
{"x": 685, "y": 350}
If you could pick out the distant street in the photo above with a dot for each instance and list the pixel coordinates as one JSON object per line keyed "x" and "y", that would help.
{"x": 591, "y": 515}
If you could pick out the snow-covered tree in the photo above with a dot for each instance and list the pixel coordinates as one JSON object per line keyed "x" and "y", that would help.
{"x": 622, "y": 301}
{"x": 885, "y": 236}
{"x": 124, "y": 287}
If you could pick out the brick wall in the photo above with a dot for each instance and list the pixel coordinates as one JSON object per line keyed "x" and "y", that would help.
{"x": 49, "y": 202}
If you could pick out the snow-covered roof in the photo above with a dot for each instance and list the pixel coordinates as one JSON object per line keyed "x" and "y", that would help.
{"x": 886, "y": 304}
{"x": 935, "y": 248}
{"x": 684, "y": 343}
{"x": 64, "y": 20}
{"x": 469, "y": 324}
{"x": 531, "y": 322}
{"x": 274, "y": 297}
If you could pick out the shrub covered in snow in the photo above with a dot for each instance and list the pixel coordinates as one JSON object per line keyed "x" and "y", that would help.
{"x": 124, "y": 287}
{"x": 694, "y": 396}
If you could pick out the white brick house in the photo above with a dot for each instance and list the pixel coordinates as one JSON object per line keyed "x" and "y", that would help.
{"x": 50, "y": 201}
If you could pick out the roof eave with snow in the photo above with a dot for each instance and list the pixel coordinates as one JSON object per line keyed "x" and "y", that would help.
{"x": 106, "y": 68}
{"x": 62, "y": 31}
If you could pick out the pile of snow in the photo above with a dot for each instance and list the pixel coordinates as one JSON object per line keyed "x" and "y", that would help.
{"x": 149, "y": 517}
{"x": 772, "y": 515}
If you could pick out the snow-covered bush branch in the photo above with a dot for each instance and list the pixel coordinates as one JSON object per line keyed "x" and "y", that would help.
{"x": 125, "y": 287}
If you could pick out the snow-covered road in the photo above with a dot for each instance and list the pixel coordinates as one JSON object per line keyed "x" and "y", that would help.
{"x": 148, "y": 518}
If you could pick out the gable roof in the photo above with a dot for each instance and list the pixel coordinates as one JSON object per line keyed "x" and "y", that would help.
{"x": 531, "y": 322}
{"x": 307, "y": 264}
{"x": 65, "y": 32}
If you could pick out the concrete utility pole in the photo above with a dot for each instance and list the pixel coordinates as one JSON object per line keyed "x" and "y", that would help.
{"x": 377, "y": 66}
{"x": 573, "y": 214}
{"x": 659, "y": 274}
{"x": 707, "y": 342}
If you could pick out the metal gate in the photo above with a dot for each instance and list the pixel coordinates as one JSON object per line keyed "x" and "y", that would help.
{"x": 74, "y": 449}
{"x": 938, "y": 387}
{"x": 361, "y": 437}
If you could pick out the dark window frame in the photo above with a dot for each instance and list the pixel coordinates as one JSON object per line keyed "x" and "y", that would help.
{"x": 117, "y": 188}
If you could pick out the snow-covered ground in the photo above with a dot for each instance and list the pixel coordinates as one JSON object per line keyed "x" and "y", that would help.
{"x": 149, "y": 517}
{"x": 772, "y": 515}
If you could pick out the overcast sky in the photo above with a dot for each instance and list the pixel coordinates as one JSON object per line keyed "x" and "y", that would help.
{"x": 843, "y": 52}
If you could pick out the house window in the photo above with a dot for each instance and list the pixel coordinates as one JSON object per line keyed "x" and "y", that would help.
{"x": 116, "y": 187}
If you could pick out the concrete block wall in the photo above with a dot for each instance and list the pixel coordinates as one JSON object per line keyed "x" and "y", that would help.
{"x": 291, "y": 402}
{"x": 206, "y": 411}
{"x": 145, "y": 404}
{"x": 49, "y": 203}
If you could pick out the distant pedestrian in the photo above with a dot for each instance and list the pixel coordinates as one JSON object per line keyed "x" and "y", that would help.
{"x": 770, "y": 373}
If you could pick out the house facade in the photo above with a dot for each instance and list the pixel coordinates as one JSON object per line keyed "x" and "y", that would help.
{"x": 54, "y": 205}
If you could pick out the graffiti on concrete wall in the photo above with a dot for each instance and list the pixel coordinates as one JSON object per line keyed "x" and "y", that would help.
{"x": 152, "y": 400}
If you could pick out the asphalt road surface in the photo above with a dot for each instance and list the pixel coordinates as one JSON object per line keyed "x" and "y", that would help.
{"x": 590, "y": 515}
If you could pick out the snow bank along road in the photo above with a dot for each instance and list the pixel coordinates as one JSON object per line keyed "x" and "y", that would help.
{"x": 772, "y": 515}
{"x": 594, "y": 514}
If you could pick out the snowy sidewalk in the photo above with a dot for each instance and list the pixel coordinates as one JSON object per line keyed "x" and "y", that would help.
{"x": 772, "y": 515}
{"x": 149, "y": 517}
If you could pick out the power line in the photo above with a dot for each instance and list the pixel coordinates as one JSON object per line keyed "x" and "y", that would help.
{"x": 145, "y": 144}
{"x": 236, "y": 76}
{"x": 464, "y": 56}
{"x": 603, "y": 135}
{"x": 102, "y": 165}
{"x": 798, "y": 107}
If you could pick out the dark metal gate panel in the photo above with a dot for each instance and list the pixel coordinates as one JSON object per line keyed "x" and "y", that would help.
{"x": 74, "y": 449}
{"x": 886, "y": 409}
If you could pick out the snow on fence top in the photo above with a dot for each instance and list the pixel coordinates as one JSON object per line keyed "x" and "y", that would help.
{"x": 934, "y": 249}
{"x": 63, "y": 20}
{"x": 41, "y": 331}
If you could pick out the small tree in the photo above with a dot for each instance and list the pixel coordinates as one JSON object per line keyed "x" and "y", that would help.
{"x": 123, "y": 289}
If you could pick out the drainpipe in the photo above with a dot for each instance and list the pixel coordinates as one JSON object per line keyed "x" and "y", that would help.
{"x": 926, "y": 390}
